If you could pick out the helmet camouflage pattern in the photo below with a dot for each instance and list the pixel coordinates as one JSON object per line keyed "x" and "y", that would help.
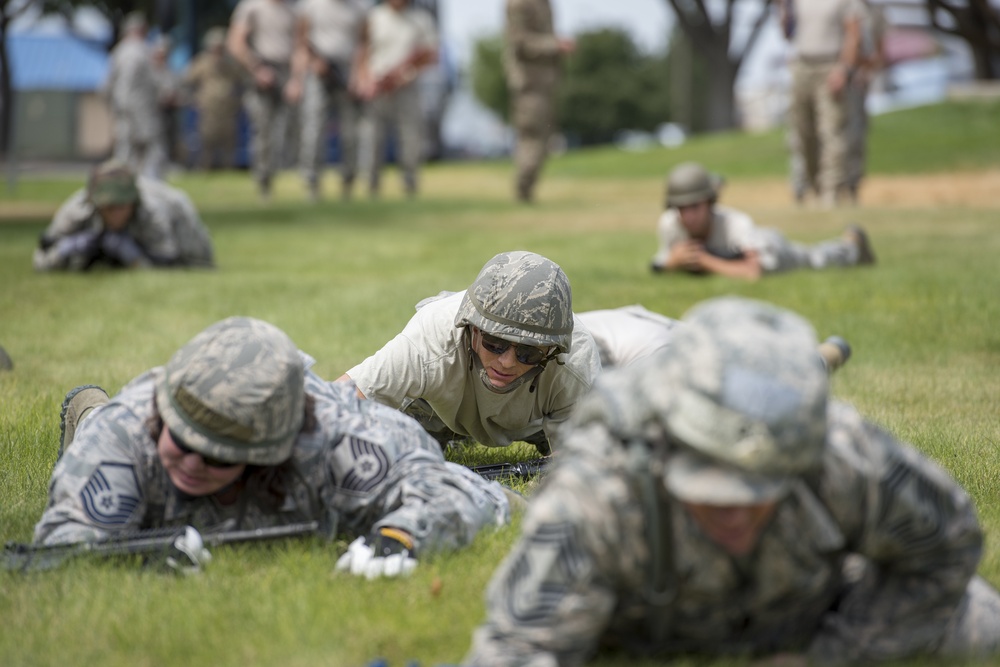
{"x": 235, "y": 392}
{"x": 690, "y": 183}
{"x": 742, "y": 384}
{"x": 112, "y": 183}
{"x": 521, "y": 297}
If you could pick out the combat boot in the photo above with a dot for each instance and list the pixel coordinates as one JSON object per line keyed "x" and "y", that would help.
{"x": 835, "y": 352}
{"x": 77, "y": 405}
{"x": 859, "y": 237}
{"x": 6, "y": 363}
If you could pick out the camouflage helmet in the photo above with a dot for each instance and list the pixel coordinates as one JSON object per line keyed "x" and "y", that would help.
{"x": 112, "y": 183}
{"x": 235, "y": 392}
{"x": 743, "y": 389}
{"x": 521, "y": 297}
{"x": 690, "y": 183}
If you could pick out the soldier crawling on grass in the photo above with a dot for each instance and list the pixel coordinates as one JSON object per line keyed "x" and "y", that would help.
{"x": 500, "y": 362}
{"x": 716, "y": 501}
{"x": 697, "y": 235}
{"x": 236, "y": 433}
{"x": 124, "y": 221}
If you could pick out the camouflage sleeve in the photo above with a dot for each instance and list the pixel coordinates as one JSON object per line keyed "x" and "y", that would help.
{"x": 385, "y": 471}
{"x": 526, "y": 42}
{"x": 919, "y": 530}
{"x": 95, "y": 487}
{"x": 552, "y": 598}
{"x": 74, "y": 216}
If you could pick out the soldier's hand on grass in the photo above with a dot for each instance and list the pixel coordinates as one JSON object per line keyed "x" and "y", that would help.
{"x": 385, "y": 553}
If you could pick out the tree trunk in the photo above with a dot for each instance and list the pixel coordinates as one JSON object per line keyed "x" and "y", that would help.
{"x": 6, "y": 92}
{"x": 721, "y": 109}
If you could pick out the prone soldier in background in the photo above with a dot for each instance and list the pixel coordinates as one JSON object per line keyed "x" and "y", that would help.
{"x": 716, "y": 501}
{"x": 697, "y": 235}
{"x": 236, "y": 433}
{"x": 124, "y": 221}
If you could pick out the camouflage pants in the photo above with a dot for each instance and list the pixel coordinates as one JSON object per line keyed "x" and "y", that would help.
{"x": 818, "y": 121}
{"x": 268, "y": 115}
{"x": 533, "y": 114}
{"x": 777, "y": 253}
{"x": 317, "y": 102}
{"x": 142, "y": 148}
{"x": 401, "y": 111}
{"x": 857, "y": 134}
{"x": 217, "y": 131}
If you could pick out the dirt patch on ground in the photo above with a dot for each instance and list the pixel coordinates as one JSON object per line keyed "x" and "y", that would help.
{"x": 976, "y": 189}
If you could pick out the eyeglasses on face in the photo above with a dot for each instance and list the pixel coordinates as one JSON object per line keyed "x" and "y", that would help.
{"x": 526, "y": 354}
{"x": 207, "y": 460}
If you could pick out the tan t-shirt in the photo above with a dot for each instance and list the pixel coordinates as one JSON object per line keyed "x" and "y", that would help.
{"x": 272, "y": 28}
{"x": 334, "y": 26}
{"x": 429, "y": 360}
{"x": 732, "y": 233}
{"x": 393, "y": 36}
{"x": 819, "y": 27}
{"x": 628, "y": 335}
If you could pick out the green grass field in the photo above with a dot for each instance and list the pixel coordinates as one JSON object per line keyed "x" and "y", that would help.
{"x": 342, "y": 279}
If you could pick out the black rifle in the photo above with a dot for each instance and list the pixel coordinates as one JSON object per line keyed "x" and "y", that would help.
{"x": 158, "y": 542}
{"x": 520, "y": 470}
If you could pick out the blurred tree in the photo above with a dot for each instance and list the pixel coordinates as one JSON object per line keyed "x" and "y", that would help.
{"x": 489, "y": 84}
{"x": 712, "y": 38}
{"x": 9, "y": 10}
{"x": 608, "y": 86}
{"x": 977, "y": 23}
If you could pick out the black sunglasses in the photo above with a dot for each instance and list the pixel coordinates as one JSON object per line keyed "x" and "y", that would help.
{"x": 526, "y": 354}
{"x": 207, "y": 460}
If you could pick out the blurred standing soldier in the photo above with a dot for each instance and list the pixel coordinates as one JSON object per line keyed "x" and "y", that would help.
{"x": 169, "y": 85}
{"x": 261, "y": 38}
{"x": 826, "y": 37}
{"x": 531, "y": 61}
{"x": 135, "y": 100}
{"x": 215, "y": 80}
{"x": 398, "y": 41}
{"x": 716, "y": 501}
{"x": 870, "y": 62}
{"x": 326, "y": 41}
{"x": 124, "y": 221}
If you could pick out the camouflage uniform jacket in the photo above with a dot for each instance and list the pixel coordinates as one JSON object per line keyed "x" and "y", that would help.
{"x": 361, "y": 462}
{"x": 166, "y": 226}
{"x": 580, "y": 577}
{"x": 215, "y": 80}
{"x": 531, "y": 54}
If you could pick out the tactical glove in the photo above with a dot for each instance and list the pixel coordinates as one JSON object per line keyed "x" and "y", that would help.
{"x": 188, "y": 553}
{"x": 385, "y": 553}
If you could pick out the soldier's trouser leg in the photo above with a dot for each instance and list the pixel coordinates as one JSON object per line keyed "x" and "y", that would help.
{"x": 268, "y": 119}
{"x": 857, "y": 135}
{"x": 409, "y": 121}
{"x": 831, "y": 112}
{"x": 372, "y": 134}
{"x": 314, "y": 113}
{"x": 975, "y": 628}
{"x": 533, "y": 117}
{"x": 802, "y": 117}
{"x": 348, "y": 117}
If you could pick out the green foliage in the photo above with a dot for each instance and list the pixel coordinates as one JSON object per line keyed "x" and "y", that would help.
{"x": 607, "y": 86}
{"x": 489, "y": 84}
{"x": 343, "y": 278}
{"x": 610, "y": 86}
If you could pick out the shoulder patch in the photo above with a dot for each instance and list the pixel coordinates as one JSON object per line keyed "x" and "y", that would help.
{"x": 361, "y": 465}
{"x": 111, "y": 495}
{"x": 548, "y": 564}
